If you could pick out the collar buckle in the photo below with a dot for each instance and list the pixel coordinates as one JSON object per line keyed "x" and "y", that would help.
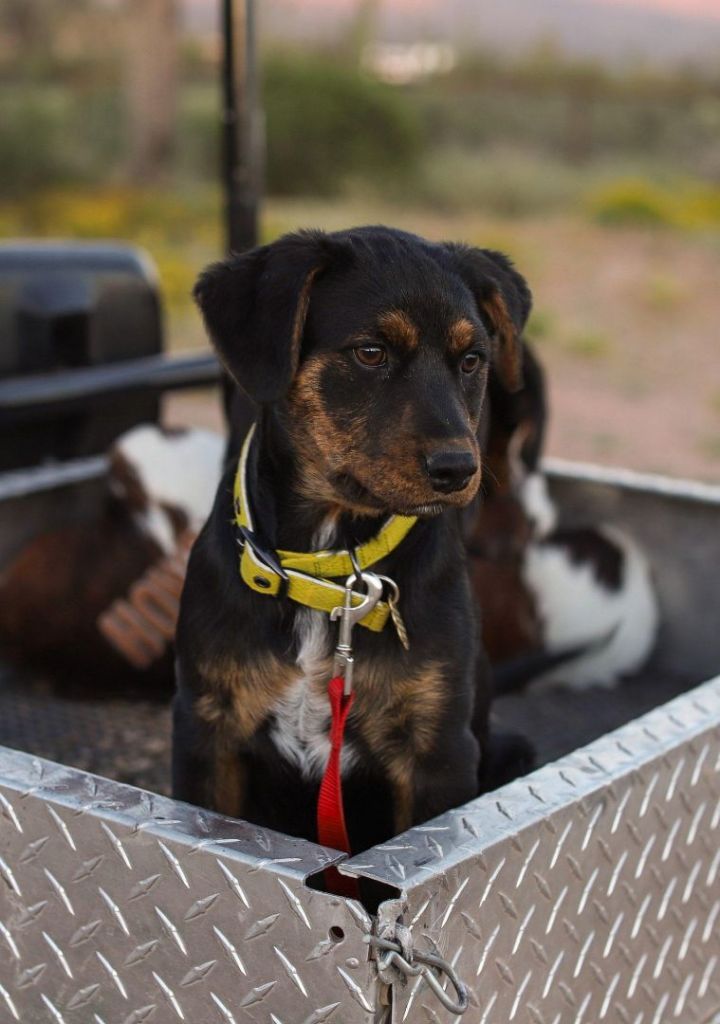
{"x": 265, "y": 555}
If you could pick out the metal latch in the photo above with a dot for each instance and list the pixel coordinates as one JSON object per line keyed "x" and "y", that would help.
{"x": 398, "y": 961}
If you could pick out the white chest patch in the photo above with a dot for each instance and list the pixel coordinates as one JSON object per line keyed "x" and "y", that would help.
{"x": 302, "y": 718}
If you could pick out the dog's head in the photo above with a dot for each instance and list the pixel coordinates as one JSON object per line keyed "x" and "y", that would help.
{"x": 374, "y": 346}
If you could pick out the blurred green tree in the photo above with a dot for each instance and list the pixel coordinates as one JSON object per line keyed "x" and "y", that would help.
{"x": 327, "y": 123}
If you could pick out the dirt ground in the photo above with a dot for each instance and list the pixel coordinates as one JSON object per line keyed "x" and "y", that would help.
{"x": 626, "y": 322}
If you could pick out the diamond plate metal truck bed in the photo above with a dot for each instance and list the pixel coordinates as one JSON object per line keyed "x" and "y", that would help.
{"x": 587, "y": 892}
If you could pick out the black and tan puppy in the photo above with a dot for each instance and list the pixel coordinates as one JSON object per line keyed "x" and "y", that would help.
{"x": 367, "y": 353}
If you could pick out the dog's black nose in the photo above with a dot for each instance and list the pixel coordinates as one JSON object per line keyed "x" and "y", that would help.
{"x": 450, "y": 470}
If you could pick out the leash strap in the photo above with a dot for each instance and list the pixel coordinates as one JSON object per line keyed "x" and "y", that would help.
{"x": 307, "y": 576}
{"x": 307, "y": 579}
{"x": 331, "y": 827}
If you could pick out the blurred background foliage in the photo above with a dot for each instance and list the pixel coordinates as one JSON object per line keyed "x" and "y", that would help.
{"x": 601, "y": 178}
{"x": 329, "y": 124}
{"x": 512, "y": 135}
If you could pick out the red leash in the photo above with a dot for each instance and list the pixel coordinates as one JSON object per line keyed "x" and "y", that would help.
{"x": 331, "y": 827}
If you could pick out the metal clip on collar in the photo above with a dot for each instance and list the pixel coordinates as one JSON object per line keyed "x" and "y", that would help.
{"x": 349, "y": 615}
{"x": 411, "y": 963}
{"x": 264, "y": 553}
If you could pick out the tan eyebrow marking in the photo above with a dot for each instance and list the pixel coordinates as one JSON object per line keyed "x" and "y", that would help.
{"x": 399, "y": 328}
{"x": 460, "y": 336}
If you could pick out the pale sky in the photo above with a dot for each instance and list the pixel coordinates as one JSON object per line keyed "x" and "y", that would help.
{"x": 706, "y": 8}
{"x": 703, "y": 8}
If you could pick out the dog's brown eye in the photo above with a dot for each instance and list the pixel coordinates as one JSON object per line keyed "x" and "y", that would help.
{"x": 470, "y": 362}
{"x": 371, "y": 355}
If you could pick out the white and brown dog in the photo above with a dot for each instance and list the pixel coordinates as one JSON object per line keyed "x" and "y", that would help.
{"x": 94, "y": 603}
{"x": 569, "y": 606}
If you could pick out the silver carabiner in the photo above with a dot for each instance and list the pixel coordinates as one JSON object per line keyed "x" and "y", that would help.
{"x": 349, "y": 615}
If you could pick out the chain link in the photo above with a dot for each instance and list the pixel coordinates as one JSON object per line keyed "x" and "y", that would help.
{"x": 410, "y": 963}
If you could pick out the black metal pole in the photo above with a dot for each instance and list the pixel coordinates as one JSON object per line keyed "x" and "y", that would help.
{"x": 241, "y": 125}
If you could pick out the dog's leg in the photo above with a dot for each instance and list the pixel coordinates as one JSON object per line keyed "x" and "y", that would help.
{"x": 229, "y": 786}
{"x": 207, "y": 770}
{"x": 506, "y": 756}
{"x": 445, "y": 779}
{"x": 403, "y": 793}
{"x": 191, "y": 756}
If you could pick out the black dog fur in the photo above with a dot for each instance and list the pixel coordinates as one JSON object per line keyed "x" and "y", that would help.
{"x": 341, "y": 444}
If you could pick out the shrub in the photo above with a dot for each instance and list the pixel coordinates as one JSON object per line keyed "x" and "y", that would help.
{"x": 327, "y": 124}
{"x": 542, "y": 324}
{"x": 688, "y": 204}
{"x": 52, "y": 137}
{"x": 700, "y": 207}
{"x": 197, "y": 155}
{"x": 588, "y": 343}
{"x": 631, "y": 201}
{"x": 31, "y": 149}
{"x": 503, "y": 181}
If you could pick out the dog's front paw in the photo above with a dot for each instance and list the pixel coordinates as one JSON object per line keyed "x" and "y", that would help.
{"x": 506, "y": 756}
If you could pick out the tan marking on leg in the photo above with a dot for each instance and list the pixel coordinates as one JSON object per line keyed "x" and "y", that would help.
{"x": 399, "y": 718}
{"x": 388, "y": 702}
{"x": 241, "y": 696}
{"x": 401, "y": 779}
{"x": 229, "y": 782}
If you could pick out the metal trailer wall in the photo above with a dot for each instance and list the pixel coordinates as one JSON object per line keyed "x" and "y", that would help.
{"x": 586, "y": 892}
{"x": 120, "y": 907}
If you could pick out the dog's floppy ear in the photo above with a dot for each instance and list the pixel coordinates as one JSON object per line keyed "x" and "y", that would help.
{"x": 254, "y": 306}
{"x": 504, "y": 302}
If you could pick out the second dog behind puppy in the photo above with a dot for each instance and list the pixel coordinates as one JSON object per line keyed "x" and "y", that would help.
{"x": 563, "y": 604}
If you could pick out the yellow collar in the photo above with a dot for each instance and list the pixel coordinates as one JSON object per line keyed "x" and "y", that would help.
{"x": 308, "y": 576}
